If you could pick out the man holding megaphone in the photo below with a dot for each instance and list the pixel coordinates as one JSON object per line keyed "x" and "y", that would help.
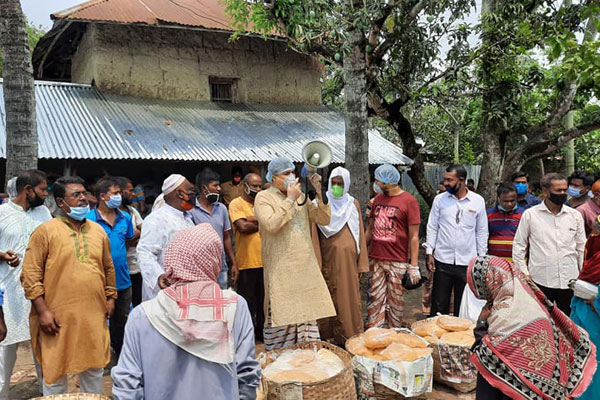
{"x": 296, "y": 294}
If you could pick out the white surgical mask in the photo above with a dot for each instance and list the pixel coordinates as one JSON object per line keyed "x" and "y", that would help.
{"x": 377, "y": 189}
{"x": 289, "y": 180}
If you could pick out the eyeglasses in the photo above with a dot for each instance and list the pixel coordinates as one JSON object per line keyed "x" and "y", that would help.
{"x": 76, "y": 195}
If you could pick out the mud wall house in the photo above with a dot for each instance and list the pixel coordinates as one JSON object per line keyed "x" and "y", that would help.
{"x": 130, "y": 86}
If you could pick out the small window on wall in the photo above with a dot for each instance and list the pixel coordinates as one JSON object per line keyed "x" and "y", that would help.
{"x": 222, "y": 89}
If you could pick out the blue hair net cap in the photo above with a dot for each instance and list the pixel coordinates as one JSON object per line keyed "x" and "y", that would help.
{"x": 277, "y": 166}
{"x": 387, "y": 174}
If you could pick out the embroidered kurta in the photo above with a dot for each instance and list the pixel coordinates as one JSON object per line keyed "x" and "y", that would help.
{"x": 294, "y": 286}
{"x": 74, "y": 272}
{"x": 157, "y": 230}
{"x": 182, "y": 375}
{"x": 16, "y": 226}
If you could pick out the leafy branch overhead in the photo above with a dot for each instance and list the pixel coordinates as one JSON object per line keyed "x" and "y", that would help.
{"x": 510, "y": 72}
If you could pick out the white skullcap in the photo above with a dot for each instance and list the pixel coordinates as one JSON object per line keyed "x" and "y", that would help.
{"x": 172, "y": 183}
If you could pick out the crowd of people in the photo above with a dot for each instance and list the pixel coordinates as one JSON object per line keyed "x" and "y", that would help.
{"x": 177, "y": 291}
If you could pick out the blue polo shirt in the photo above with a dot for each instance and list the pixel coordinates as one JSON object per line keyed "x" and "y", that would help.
{"x": 218, "y": 218}
{"x": 117, "y": 235}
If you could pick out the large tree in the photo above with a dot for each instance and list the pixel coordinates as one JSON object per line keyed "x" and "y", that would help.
{"x": 522, "y": 104}
{"x": 19, "y": 92}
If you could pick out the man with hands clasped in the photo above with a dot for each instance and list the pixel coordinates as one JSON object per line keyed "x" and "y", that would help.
{"x": 68, "y": 275}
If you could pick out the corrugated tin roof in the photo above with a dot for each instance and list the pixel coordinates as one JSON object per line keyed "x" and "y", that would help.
{"x": 76, "y": 121}
{"x": 199, "y": 13}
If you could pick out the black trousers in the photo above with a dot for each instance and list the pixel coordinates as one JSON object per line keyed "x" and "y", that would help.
{"x": 447, "y": 277}
{"x": 562, "y": 297}
{"x": 119, "y": 319}
{"x": 251, "y": 287}
{"x": 485, "y": 391}
{"x": 136, "y": 288}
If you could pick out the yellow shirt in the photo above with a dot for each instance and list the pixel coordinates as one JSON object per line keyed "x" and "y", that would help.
{"x": 248, "y": 250}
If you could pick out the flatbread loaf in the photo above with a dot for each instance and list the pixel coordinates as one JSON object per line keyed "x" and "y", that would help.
{"x": 430, "y": 328}
{"x": 454, "y": 324}
{"x": 401, "y": 352}
{"x": 302, "y": 357}
{"x": 378, "y": 338}
{"x": 458, "y": 339}
{"x": 431, "y": 339}
{"x": 293, "y": 375}
{"x": 357, "y": 346}
{"x": 410, "y": 340}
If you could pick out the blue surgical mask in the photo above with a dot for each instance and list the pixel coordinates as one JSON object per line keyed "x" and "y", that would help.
{"x": 574, "y": 192}
{"x": 114, "y": 202}
{"x": 79, "y": 213}
{"x": 504, "y": 209}
{"x": 521, "y": 188}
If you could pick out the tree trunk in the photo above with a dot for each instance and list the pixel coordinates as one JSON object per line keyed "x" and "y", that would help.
{"x": 357, "y": 138}
{"x": 19, "y": 93}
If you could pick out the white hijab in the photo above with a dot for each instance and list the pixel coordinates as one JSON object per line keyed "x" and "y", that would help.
{"x": 343, "y": 210}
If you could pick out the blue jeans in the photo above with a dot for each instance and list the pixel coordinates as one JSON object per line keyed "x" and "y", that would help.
{"x": 222, "y": 279}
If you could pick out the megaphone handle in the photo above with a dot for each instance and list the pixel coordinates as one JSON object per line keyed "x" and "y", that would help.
{"x": 305, "y": 195}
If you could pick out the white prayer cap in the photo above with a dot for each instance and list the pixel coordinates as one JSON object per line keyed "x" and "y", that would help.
{"x": 172, "y": 183}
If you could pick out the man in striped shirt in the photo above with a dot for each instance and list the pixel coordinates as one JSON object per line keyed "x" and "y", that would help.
{"x": 503, "y": 220}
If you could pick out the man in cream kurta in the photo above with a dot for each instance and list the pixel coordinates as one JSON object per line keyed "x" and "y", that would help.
{"x": 296, "y": 294}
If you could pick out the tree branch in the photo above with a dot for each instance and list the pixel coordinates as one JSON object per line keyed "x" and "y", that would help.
{"x": 546, "y": 147}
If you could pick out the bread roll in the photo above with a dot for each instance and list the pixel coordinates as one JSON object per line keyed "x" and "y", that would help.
{"x": 401, "y": 352}
{"x": 378, "y": 338}
{"x": 454, "y": 324}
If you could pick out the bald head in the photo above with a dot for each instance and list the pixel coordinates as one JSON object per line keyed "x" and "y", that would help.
{"x": 252, "y": 185}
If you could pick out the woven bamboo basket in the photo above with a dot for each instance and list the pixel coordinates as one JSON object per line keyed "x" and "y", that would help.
{"x": 466, "y": 385}
{"x": 382, "y": 392}
{"x": 338, "y": 387}
{"x": 74, "y": 396}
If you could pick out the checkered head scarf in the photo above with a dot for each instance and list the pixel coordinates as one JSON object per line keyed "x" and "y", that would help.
{"x": 194, "y": 254}
{"x": 194, "y": 313}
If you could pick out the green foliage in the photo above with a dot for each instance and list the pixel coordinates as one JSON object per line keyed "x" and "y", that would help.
{"x": 34, "y": 34}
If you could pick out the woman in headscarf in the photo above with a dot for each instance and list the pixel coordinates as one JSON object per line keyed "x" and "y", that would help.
{"x": 296, "y": 294}
{"x": 526, "y": 347}
{"x": 193, "y": 340}
{"x": 345, "y": 256}
{"x": 586, "y": 313}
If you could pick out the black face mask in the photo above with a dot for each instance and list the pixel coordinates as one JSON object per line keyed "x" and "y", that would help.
{"x": 558, "y": 199}
{"x": 125, "y": 200}
{"x": 453, "y": 189}
{"x": 251, "y": 192}
{"x": 36, "y": 201}
{"x": 211, "y": 197}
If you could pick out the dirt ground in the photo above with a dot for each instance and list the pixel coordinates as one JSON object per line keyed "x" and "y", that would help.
{"x": 24, "y": 383}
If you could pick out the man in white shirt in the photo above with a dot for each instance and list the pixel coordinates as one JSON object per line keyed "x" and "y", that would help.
{"x": 158, "y": 229}
{"x": 550, "y": 243}
{"x": 457, "y": 231}
{"x": 18, "y": 219}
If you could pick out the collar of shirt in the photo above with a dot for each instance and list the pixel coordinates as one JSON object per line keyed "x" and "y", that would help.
{"x": 173, "y": 210}
{"x": 16, "y": 206}
{"x": 469, "y": 196}
{"x": 119, "y": 215}
{"x": 545, "y": 208}
{"x": 215, "y": 205}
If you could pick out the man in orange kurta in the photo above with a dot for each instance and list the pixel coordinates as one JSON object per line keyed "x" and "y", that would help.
{"x": 69, "y": 276}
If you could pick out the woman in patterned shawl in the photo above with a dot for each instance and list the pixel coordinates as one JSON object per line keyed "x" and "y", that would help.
{"x": 527, "y": 348}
